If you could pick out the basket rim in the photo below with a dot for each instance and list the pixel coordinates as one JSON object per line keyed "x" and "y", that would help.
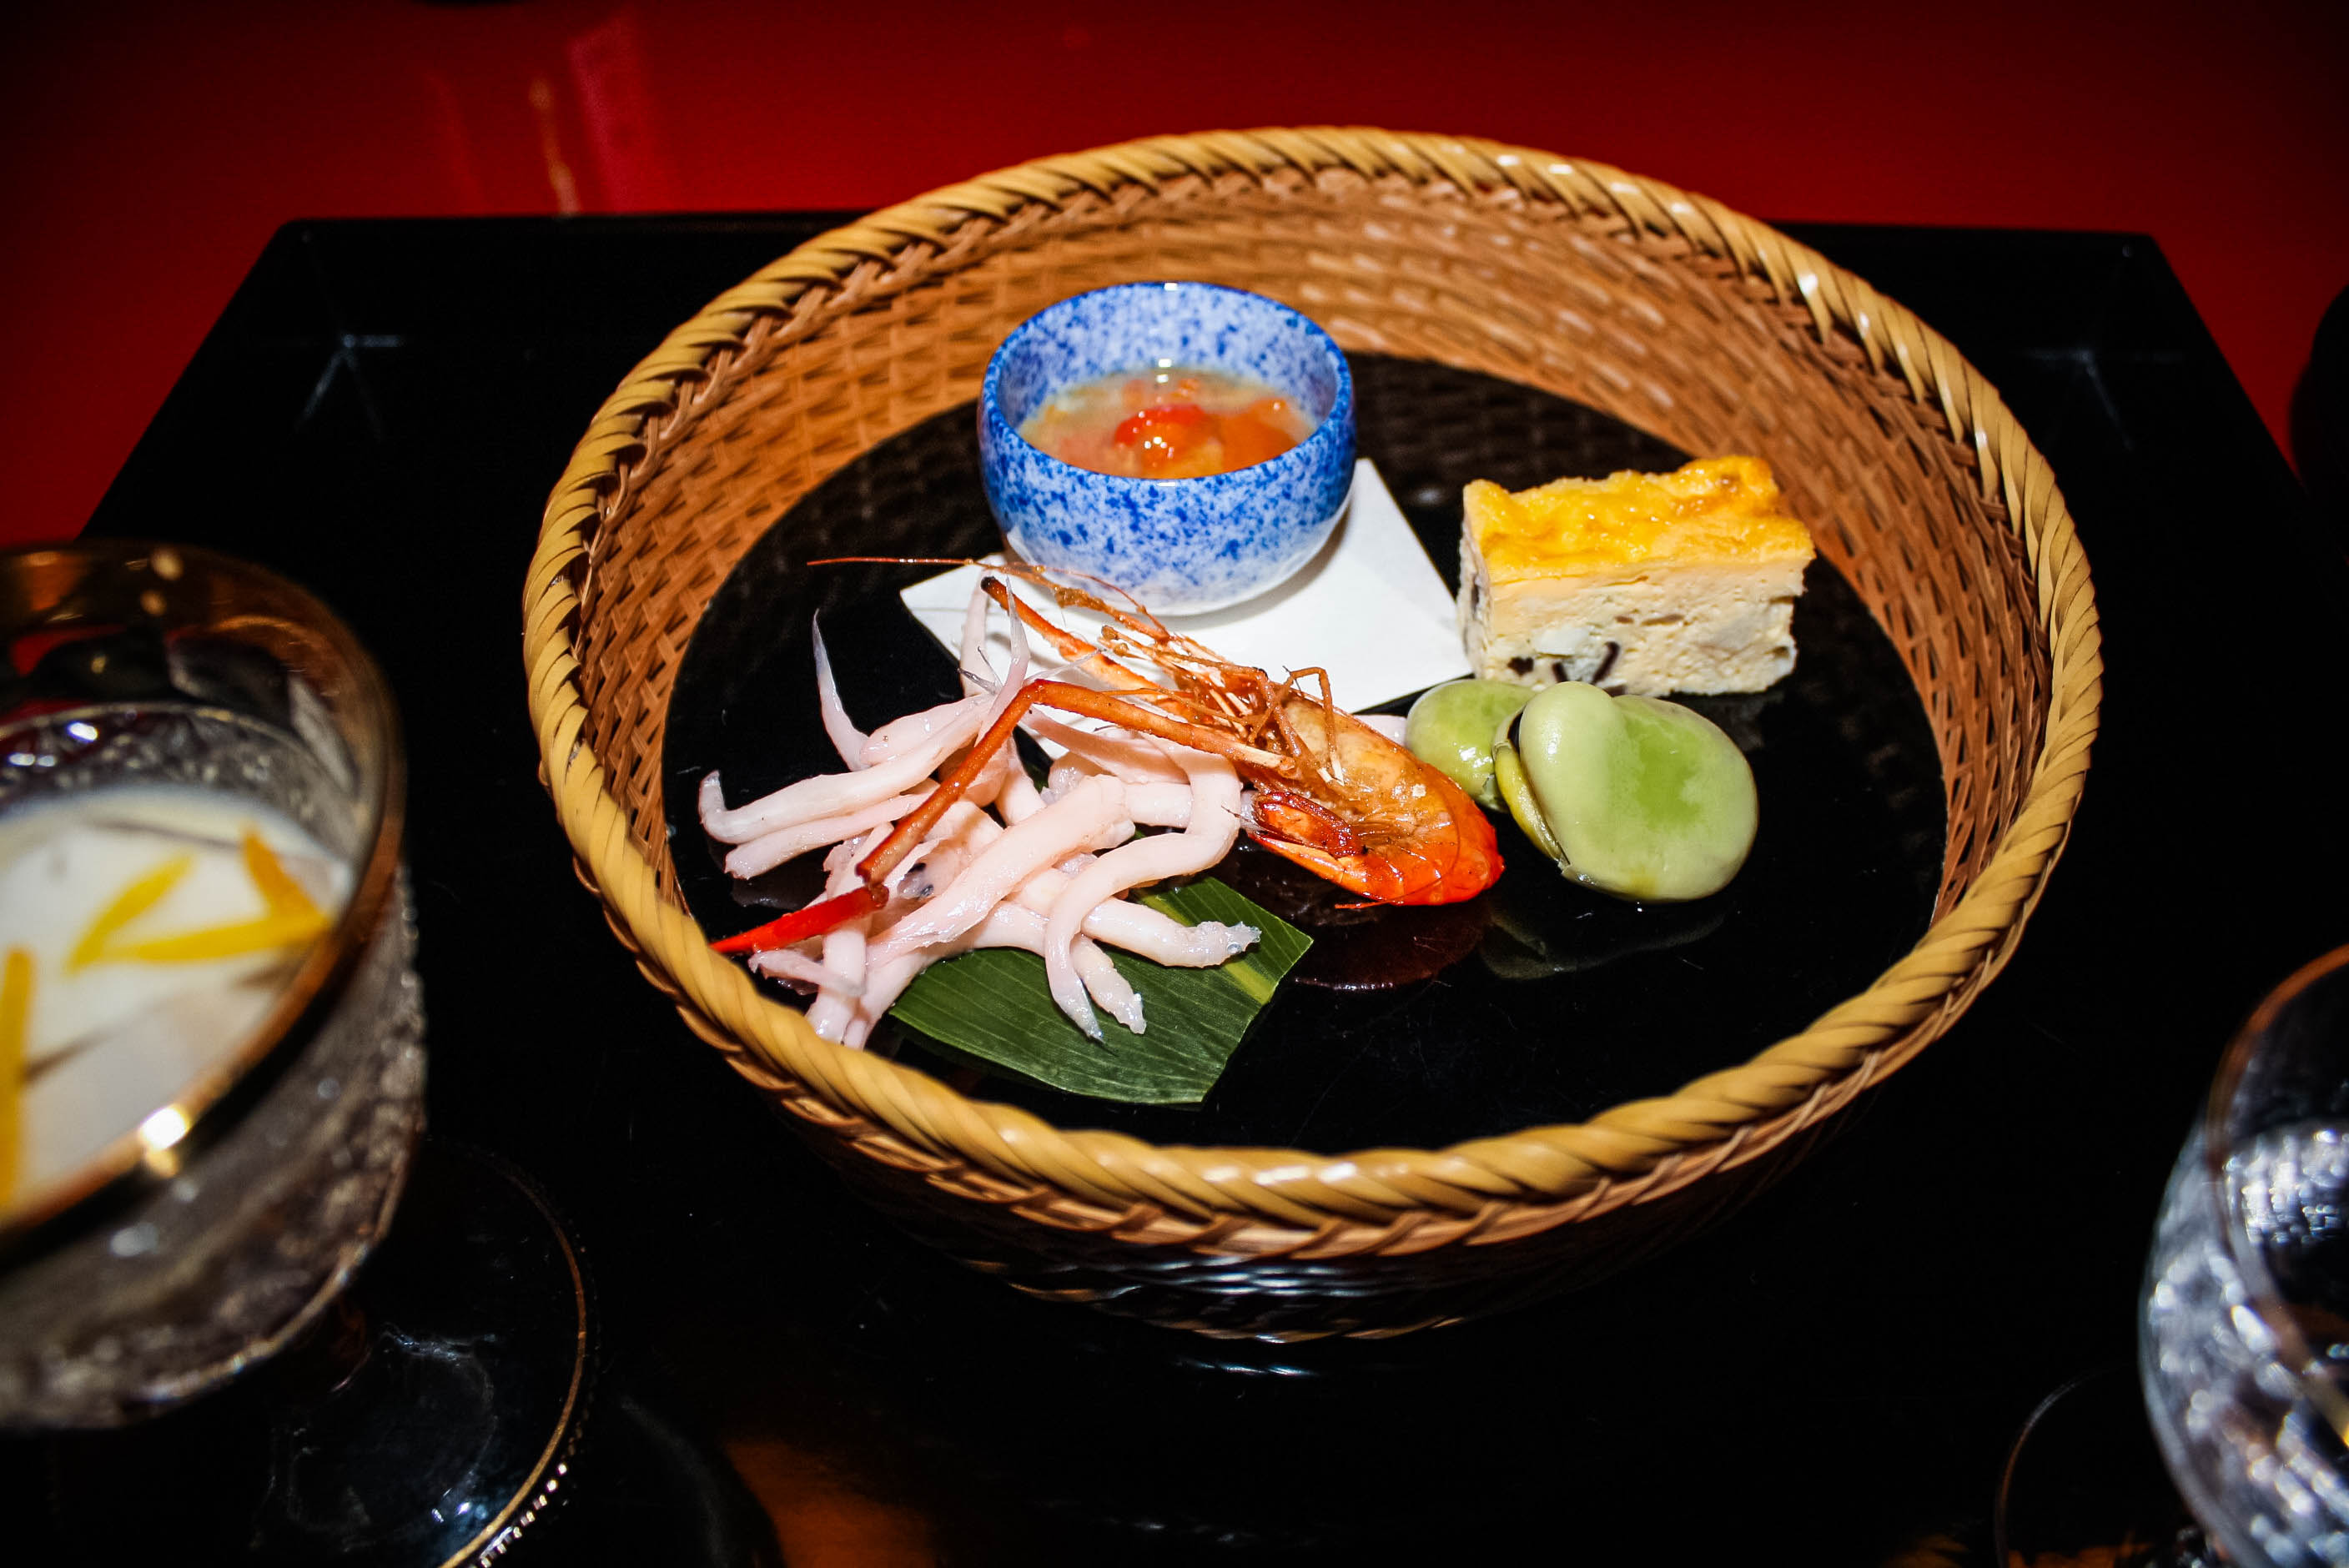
{"x": 1634, "y": 1151}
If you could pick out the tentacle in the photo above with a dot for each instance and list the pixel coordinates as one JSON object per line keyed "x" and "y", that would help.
{"x": 1012, "y": 925}
{"x": 830, "y": 794}
{"x": 1161, "y": 805}
{"x": 1071, "y": 646}
{"x": 1139, "y": 929}
{"x": 899, "y": 736}
{"x": 977, "y": 675}
{"x": 1215, "y": 823}
{"x": 1136, "y": 759}
{"x": 1019, "y": 800}
{"x": 1091, "y": 818}
{"x": 1075, "y": 699}
{"x": 790, "y": 964}
{"x": 768, "y": 851}
{"x": 1112, "y": 991}
{"x": 847, "y": 738}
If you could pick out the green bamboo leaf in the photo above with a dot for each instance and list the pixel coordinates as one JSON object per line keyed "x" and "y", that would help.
{"x": 993, "y": 1005}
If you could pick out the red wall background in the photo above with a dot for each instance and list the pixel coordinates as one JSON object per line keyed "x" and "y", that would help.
{"x": 147, "y": 152}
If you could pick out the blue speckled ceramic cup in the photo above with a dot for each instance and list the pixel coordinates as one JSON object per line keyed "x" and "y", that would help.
{"x": 1180, "y": 546}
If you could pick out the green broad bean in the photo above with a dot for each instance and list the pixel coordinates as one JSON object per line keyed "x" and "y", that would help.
{"x": 1643, "y": 799}
{"x": 1453, "y": 726}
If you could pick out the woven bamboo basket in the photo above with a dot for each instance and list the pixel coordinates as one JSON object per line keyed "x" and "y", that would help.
{"x": 1662, "y": 308}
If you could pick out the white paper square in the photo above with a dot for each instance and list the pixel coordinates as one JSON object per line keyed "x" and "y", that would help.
{"x": 1369, "y": 609}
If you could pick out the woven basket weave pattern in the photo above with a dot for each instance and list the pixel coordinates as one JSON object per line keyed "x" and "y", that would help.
{"x": 1661, "y": 308}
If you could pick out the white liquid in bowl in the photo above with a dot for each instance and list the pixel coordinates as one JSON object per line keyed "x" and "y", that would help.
{"x": 119, "y": 1014}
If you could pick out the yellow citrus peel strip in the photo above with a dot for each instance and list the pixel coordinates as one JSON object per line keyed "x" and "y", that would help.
{"x": 15, "y": 1013}
{"x": 129, "y": 905}
{"x": 279, "y": 890}
{"x": 229, "y": 941}
{"x": 294, "y": 917}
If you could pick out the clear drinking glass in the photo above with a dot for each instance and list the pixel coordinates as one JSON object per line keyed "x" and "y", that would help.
{"x": 2243, "y": 1342}
{"x": 212, "y": 1231}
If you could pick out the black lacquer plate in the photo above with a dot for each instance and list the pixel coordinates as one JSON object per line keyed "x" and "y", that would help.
{"x": 1536, "y": 1002}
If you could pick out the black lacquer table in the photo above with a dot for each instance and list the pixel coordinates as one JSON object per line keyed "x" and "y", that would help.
{"x": 1833, "y": 1376}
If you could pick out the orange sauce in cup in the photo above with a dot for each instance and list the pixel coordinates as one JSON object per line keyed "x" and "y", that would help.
{"x": 1167, "y": 423}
